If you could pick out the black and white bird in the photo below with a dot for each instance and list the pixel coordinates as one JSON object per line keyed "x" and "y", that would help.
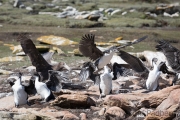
{"x": 133, "y": 63}
{"x": 37, "y": 60}
{"x": 87, "y": 71}
{"x": 105, "y": 86}
{"x": 20, "y": 94}
{"x": 153, "y": 76}
{"x": 65, "y": 79}
{"x": 173, "y": 56}
{"x": 42, "y": 88}
{"x": 88, "y": 48}
{"x": 121, "y": 70}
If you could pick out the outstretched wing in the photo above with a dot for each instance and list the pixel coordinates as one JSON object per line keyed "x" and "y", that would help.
{"x": 86, "y": 71}
{"x": 134, "y": 42}
{"x": 133, "y": 61}
{"x": 88, "y": 48}
{"x": 164, "y": 69}
{"x": 84, "y": 74}
{"x": 36, "y": 58}
{"x": 172, "y": 54}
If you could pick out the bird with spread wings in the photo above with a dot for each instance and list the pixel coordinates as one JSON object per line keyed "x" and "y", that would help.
{"x": 42, "y": 66}
{"x": 36, "y": 58}
{"x": 172, "y": 54}
{"x": 88, "y": 48}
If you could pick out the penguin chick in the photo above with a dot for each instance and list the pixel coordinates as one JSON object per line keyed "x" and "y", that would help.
{"x": 42, "y": 89}
{"x": 20, "y": 95}
{"x": 105, "y": 86}
{"x": 152, "y": 81}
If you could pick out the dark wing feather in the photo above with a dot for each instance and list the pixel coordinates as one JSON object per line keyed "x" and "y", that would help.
{"x": 165, "y": 70}
{"x": 135, "y": 42}
{"x": 88, "y": 48}
{"x": 87, "y": 72}
{"x": 172, "y": 54}
{"x": 118, "y": 68}
{"x": 84, "y": 74}
{"x": 36, "y": 58}
{"x": 133, "y": 61}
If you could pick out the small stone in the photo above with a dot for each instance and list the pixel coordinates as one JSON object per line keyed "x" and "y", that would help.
{"x": 102, "y": 111}
{"x": 115, "y": 113}
{"x": 83, "y": 116}
{"x": 70, "y": 116}
{"x": 95, "y": 108}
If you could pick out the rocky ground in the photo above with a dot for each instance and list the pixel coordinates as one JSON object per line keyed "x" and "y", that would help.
{"x": 129, "y": 99}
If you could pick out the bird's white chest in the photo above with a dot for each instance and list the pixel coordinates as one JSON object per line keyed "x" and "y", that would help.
{"x": 152, "y": 81}
{"x": 105, "y": 60}
{"x": 42, "y": 89}
{"x": 20, "y": 96}
{"x": 106, "y": 83}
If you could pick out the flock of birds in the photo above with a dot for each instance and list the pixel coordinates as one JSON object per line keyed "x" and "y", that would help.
{"x": 101, "y": 69}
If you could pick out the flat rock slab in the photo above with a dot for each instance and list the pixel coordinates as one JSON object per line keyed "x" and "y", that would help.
{"x": 172, "y": 101}
{"x": 18, "y": 48}
{"x": 7, "y": 103}
{"x": 47, "y": 112}
{"x": 11, "y": 59}
{"x": 156, "y": 98}
{"x": 56, "y": 40}
{"x": 16, "y": 116}
{"x": 73, "y": 101}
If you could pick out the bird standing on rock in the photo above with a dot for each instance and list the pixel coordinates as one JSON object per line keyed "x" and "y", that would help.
{"x": 173, "y": 57}
{"x": 152, "y": 81}
{"x": 87, "y": 72}
{"x": 105, "y": 86}
{"x": 42, "y": 89}
{"x": 20, "y": 95}
{"x": 42, "y": 66}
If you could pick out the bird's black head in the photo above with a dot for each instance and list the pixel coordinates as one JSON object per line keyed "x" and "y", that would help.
{"x": 13, "y": 78}
{"x": 154, "y": 60}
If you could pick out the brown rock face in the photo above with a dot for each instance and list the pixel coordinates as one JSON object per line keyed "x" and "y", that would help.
{"x": 156, "y": 98}
{"x": 160, "y": 115}
{"x": 120, "y": 101}
{"x": 115, "y": 113}
{"x": 73, "y": 101}
{"x": 171, "y": 104}
{"x": 70, "y": 116}
{"x": 83, "y": 116}
{"x": 171, "y": 101}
